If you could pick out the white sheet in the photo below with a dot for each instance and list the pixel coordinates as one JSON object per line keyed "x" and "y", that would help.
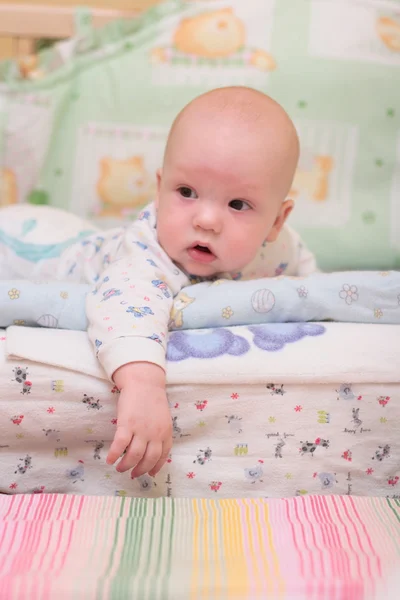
{"x": 344, "y": 352}
{"x": 261, "y": 424}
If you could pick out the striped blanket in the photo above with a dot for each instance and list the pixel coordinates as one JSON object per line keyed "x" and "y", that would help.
{"x": 87, "y": 547}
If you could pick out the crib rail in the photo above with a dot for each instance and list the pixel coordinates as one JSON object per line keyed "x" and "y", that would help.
{"x": 21, "y": 25}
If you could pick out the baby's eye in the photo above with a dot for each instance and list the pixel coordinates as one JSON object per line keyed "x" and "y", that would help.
{"x": 239, "y": 205}
{"x": 187, "y": 192}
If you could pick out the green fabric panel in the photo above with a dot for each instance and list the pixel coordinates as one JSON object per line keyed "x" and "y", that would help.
{"x": 99, "y": 109}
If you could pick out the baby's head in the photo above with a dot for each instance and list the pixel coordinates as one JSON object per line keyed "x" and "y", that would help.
{"x": 228, "y": 166}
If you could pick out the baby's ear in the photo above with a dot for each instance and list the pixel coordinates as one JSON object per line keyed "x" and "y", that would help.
{"x": 280, "y": 220}
{"x": 159, "y": 176}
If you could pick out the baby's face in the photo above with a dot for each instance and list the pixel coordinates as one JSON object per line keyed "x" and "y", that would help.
{"x": 219, "y": 199}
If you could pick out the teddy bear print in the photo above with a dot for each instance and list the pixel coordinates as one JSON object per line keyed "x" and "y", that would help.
{"x": 388, "y": 29}
{"x": 29, "y": 67}
{"x": 181, "y": 302}
{"x": 213, "y": 35}
{"x": 123, "y": 185}
{"x": 8, "y": 187}
{"x": 32, "y": 68}
{"x": 313, "y": 180}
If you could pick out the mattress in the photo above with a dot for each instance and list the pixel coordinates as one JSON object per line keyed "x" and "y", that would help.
{"x": 104, "y": 548}
{"x": 261, "y": 412}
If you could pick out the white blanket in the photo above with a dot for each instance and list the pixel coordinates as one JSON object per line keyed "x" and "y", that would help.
{"x": 320, "y": 415}
{"x": 341, "y": 352}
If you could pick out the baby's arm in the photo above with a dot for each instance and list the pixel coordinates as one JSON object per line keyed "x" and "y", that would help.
{"x": 128, "y": 323}
{"x": 144, "y": 426}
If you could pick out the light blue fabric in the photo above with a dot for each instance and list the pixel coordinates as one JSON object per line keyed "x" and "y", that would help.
{"x": 356, "y": 296}
{"x": 57, "y": 305}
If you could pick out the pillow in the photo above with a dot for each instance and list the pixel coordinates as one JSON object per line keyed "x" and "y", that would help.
{"x": 85, "y": 123}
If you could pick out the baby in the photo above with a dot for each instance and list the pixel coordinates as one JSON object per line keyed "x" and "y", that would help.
{"x": 221, "y": 204}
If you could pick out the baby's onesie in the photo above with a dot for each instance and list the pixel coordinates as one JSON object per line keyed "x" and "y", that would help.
{"x": 135, "y": 283}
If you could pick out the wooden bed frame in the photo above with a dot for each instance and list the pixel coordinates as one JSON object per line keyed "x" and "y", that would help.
{"x": 22, "y": 24}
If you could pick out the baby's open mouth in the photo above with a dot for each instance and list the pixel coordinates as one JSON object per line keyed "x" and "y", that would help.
{"x": 203, "y": 249}
{"x": 202, "y": 254}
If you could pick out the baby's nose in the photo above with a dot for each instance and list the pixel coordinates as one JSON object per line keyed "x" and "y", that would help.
{"x": 208, "y": 220}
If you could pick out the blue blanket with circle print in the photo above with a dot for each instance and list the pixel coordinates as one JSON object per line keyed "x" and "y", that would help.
{"x": 355, "y": 296}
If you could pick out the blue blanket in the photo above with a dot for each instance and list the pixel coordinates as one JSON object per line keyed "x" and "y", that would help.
{"x": 359, "y": 296}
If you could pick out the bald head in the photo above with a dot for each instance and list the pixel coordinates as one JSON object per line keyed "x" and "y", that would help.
{"x": 228, "y": 168}
{"x": 238, "y": 111}
{"x": 243, "y": 103}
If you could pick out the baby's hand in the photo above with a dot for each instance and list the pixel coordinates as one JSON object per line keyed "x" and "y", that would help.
{"x": 144, "y": 425}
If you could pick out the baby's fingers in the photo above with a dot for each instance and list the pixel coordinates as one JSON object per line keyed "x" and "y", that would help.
{"x": 165, "y": 453}
{"x": 149, "y": 460}
{"x": 134, "y": 454}
{"x": 122, "y": 439}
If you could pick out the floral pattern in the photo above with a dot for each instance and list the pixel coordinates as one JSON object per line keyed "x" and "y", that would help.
{"x": 14, "y": 294}
{"x": 227, "y": 312}
{"x": 302, "y": 292}
{"x": 349, "y": 293}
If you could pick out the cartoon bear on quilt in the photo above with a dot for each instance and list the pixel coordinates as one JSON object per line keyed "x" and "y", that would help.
{"x": 389, "y": 32}
{"x": 314, "y": 181}
{"x": 8, "y": 187}
{"x": 123, "y": 185}
{"x": 213, "y": 35}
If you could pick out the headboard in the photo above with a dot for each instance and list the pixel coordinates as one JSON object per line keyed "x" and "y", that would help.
{"x": 22, "y": 24}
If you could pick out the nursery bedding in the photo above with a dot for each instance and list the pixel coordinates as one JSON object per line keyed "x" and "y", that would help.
{"x": 97, "y": 157}
{"x": 265, "y": 410}
{"x": 354, "y": 296}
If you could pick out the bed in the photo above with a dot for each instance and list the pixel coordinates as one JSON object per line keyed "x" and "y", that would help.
{"x": 23, "y": 24}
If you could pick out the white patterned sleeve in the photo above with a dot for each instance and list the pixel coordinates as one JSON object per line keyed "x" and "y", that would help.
{"x": 129, "y": 310}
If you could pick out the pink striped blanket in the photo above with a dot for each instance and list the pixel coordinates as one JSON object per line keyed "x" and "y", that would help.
{"x": 94, "y": 547}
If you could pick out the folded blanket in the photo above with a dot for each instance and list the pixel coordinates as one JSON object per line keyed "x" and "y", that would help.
{"x": 355, "y": 296}
{"x": 57, "y": 305}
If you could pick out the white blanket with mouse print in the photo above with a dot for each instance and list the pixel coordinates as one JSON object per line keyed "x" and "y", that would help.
{"x": 262, "y": 410}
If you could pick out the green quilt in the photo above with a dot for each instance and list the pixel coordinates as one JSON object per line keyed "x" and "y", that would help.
{"x": 83, "y": 124}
